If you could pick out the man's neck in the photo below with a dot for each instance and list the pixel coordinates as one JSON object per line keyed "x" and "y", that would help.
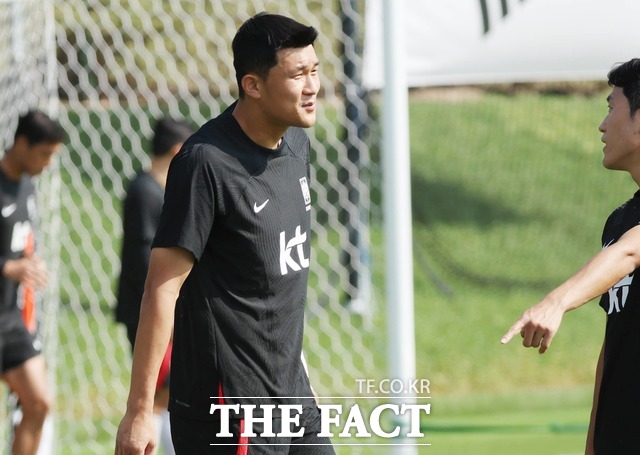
{"x": 159, "y": 169}
{"x": 12, "y": 171}
{"x": 257, "y": 127}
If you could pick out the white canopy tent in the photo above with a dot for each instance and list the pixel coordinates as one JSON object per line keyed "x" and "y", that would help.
{"x": 493, "y": 41}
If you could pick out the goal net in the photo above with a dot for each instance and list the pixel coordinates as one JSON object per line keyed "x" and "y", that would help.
{"x": 106, "y": 69}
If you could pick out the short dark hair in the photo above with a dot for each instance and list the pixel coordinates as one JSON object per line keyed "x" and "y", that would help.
{"x": 627, "y": 76}
{"x": 168, "y": 132}
{"x": 258, "y": 40}
{"x": 38, "y": 128}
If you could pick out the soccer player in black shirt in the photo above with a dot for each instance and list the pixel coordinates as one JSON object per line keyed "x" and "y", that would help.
{"x": 141, "y": 215}
{"x": 231, "y": 257}
{"x": 612, "y": 274}
{"x": 37, "y": 139}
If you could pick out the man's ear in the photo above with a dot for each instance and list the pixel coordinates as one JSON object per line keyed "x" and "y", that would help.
{"x": 251, "y": 84}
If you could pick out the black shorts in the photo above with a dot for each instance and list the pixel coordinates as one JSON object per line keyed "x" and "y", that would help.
{"x": 196, "y": 437}
{"x": 17, "y": 344}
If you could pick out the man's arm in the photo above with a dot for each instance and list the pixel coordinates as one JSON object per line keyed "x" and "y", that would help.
{"x": 168, "y": 269}
{"x": 590, "y": 450}
{"x": 539, "y": 324}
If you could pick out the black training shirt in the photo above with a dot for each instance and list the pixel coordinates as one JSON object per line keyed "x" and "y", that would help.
{"x": 243, "y": 212}
{"x": 617, "y": 420}
{"x": 140, "y": 217}
{"x": 17, "y": 220}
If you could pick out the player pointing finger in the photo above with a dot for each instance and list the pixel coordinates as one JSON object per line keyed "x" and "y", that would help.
{"x": 613, "y": 273}
{"x": 537, "y": 326}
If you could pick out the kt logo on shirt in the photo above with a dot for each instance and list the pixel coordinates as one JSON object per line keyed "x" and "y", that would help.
{"x": 618, "y": 294}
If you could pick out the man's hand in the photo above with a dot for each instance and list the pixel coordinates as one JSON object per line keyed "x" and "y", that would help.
{"x": 136, "y": 434}
{"x": 537, "y": 325}
{"x": 30, "y": 270}
{"x": 168, "y": 270}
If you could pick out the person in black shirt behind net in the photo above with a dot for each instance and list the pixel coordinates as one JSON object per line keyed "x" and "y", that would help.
{"x": 37, "y": 139}
{"x": 141, "y": 215}
{"x": 231, "y": 257}
{"x": 612, "y": 274}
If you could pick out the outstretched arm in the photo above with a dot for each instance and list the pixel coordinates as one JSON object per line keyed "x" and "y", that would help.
{"x": 168, "y": 269}
{"x": 539, "y": 324}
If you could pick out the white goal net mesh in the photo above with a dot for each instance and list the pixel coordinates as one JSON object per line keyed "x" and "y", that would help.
{"x": 106, "y": 69}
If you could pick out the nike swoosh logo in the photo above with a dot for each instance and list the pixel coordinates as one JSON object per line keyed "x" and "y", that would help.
{"x": 8, "y": 210}
{"x": 257, "y": 208}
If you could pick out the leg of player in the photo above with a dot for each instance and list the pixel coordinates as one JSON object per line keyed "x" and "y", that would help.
{"x": 29, "y": 382}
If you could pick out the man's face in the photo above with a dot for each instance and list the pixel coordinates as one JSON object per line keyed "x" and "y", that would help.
{"x": 291, "y": 87}
{"x": 37, "y": 157}
{"x": 620, "y": 134}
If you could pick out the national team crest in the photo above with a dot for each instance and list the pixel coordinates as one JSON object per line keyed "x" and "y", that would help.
{"x": 304, "y": 186}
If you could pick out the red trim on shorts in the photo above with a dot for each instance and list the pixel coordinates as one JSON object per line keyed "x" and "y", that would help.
{"x": 165, "y": 368}
{"x": 220, "y": 394}
{"x": 243, "y": 441}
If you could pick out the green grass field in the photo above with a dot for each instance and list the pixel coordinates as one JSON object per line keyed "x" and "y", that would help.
{"x": 509, "y": 200}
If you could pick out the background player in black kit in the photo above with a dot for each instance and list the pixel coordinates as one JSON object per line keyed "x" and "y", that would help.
{"x": 37, "y": 139}
{"x": 233, "y": 249}
{"x": 612, "y": 273}
{"x": 141, "y": 215}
